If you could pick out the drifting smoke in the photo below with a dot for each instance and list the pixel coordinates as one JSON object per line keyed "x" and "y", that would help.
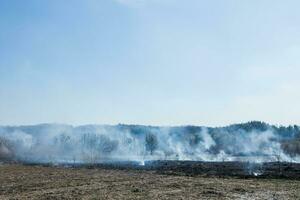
{"x": 91, "y": 144}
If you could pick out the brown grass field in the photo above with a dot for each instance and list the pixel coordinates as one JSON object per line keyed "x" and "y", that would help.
{"x": 40, "y": 182}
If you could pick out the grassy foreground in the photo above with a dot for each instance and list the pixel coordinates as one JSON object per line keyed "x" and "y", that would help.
{"x": 40, "y": 182}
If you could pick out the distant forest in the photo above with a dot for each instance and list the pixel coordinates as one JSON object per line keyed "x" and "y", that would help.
{"x": 288, "y": 136}
{"x": 253, "y": 138}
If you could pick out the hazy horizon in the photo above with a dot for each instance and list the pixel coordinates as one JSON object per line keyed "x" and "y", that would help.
{"x": 146, "y": 125}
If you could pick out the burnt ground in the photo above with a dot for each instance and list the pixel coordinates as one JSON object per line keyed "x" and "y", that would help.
{"x": 107, "y": 182}
{"x": 281, "y": 170}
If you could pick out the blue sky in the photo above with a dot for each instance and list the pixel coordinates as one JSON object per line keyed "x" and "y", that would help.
{"x": 159, "y": 62}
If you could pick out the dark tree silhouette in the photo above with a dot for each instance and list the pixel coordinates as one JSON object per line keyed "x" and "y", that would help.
{"x": 151, "y": 143}
{"x": 6, "y": 150}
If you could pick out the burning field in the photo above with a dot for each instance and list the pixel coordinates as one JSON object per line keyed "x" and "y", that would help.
{"x": 243, "y": 161}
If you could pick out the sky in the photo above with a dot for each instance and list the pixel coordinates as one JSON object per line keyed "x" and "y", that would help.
{"x": 152, "y": 62}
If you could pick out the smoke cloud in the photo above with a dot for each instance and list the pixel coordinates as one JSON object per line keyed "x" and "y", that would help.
{"x": 53, "y": 143}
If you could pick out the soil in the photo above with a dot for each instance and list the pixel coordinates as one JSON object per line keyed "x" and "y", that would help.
{"x": 19, "y": 181}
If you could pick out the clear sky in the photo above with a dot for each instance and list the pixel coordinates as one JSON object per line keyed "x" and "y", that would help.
{"x": 159, "y": 62}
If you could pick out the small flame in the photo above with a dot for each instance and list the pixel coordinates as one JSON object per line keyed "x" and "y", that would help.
{"x": 257, "y": 173}
{"x": 142, "y": 163}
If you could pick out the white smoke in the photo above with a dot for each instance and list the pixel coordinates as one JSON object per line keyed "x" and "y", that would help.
{"x": 91, "y": 144}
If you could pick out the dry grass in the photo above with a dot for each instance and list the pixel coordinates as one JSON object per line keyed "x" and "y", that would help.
{"x": 36, "y": 182}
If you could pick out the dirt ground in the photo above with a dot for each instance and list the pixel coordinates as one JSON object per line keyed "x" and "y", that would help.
{"x": 40, "y": 182}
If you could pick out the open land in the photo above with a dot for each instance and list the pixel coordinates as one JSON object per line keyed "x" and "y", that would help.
{"x": 19, "y": 181}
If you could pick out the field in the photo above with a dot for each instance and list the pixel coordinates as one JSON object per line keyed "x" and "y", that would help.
{"x": 50, "y": 182}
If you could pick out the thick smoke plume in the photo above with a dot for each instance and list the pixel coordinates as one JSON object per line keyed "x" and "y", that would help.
{"x": 53, "y": 143}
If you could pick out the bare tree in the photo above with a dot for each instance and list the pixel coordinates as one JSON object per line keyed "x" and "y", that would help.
{"x": 151, "y": 143}
{"x": 6, "y": 150}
